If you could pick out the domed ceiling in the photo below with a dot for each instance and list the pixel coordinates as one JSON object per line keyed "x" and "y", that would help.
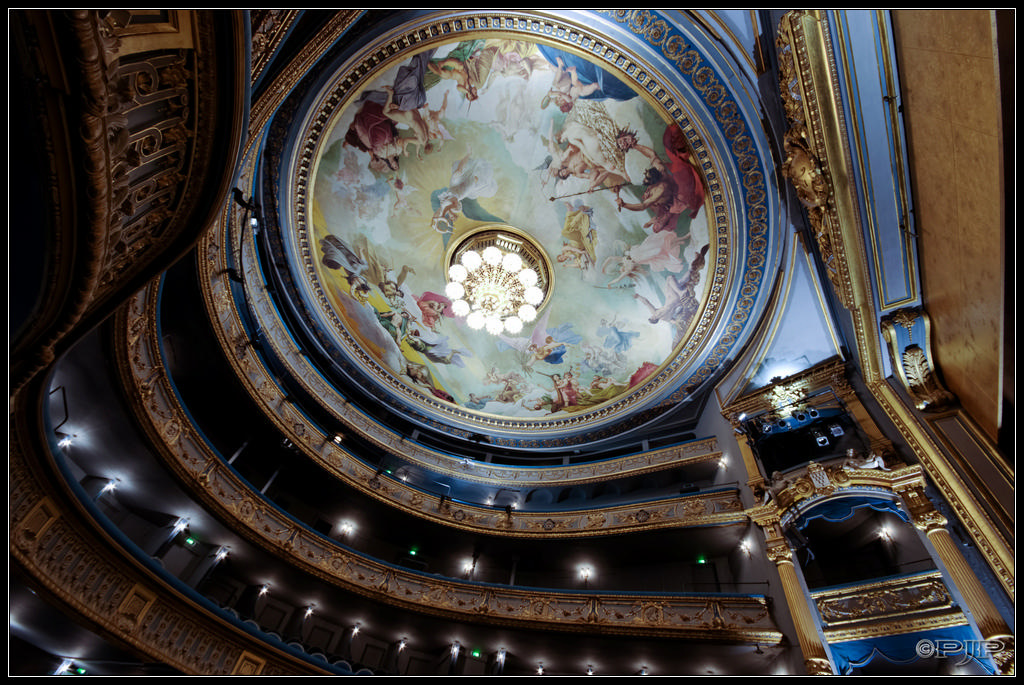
{"x": 616, "y": 158}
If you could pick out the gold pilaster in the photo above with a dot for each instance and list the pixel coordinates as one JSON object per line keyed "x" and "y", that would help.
{"x": 990, "y": 623}
{"x": 815, "y": 655}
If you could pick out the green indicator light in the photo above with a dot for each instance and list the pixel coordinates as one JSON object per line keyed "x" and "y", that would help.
{"x": 701, "y": 560}
{"x": 476, "y": 653}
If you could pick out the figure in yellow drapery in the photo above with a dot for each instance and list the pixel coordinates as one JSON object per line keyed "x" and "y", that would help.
{"x": 579, "y": 238}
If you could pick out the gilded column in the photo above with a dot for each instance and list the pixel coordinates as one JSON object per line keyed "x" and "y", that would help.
{"x": 990, "y": 623}
{"x": 815, "y": 655}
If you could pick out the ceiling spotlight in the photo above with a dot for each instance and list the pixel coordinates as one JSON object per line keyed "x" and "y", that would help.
{"x": 836, "y": 429}
{"x": 821, "y": 439}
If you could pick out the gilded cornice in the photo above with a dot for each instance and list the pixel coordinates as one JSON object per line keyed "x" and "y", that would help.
{"x": 742, "y": 618}
{"x": 264, "y": 387}
{"x": 143, "y": 368}
{"x": 81, "y": 568}
{"x": 810, "y": 96}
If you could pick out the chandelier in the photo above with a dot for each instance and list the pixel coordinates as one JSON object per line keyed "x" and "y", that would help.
{"x": 498, "y": 280}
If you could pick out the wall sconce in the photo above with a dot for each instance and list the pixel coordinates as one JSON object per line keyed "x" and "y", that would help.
{"x": 540, "y": 668}
{"x": 590, "y": 670}
{"x": 401, "y": 644}
{"x": 355, "y": 629}
{"x": 501, "y": 656}
{"x": 836, "y": 429}
{"x": 347, "y": 527}
{"x": 745, "y": 546}
{"x": 65, "y": 440}
{"x": 455, "y": 650}
{"x": 643, "y": 670}
{"x": 584, "y": 574}
{"x": 723, "y": 462}
{"x": 884, "y": 533}
{"x": 179, "y": 525}
{"x": 110, "y": 486}
{"x": 309, "y": 611}
{"x": 221, "y": 553}
{"x": 265, "y": 589}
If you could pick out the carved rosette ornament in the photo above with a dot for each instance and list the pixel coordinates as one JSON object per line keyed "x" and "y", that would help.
{"x": 908, "y": 335}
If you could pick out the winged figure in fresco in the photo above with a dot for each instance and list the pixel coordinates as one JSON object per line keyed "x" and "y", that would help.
{"x": 338, "y": 255}
{"x": 544, "y": 344}
{"x": 471, "y": 178}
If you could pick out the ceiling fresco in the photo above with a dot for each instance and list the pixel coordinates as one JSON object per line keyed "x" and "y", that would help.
{"x": 654, "y": 262}
{"x": 499, "y": 132}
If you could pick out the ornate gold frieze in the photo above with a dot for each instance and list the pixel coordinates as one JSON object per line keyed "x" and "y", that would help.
{"x": 892, "y": 600}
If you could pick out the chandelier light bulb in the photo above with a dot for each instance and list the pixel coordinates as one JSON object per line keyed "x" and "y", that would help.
{"x": 457, "y": 272}
{"x": 454, "y": 290}
{"x": 512, "y": 263}
{"x": 527, "y": 313}
{"x": 492, "y": 255}
{"x": 460, "y": 307}
{"x": 513, "y": 324}
{"x": 494, "y": 325}
{"x": 528, "y": 277}
{"x": 475, "y": 320}
{"x": 533, "y": 295}
{"x": 471, "y": 259}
